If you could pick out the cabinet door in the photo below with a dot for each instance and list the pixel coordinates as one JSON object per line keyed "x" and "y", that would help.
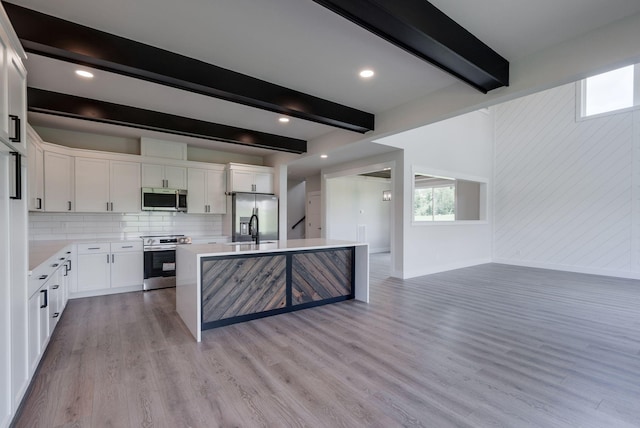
{"x": 35, "y": 156}
{"x": 263, "y": 182}
{"x": 216, "y": 187}
{"x": 241, "y": 181}
{"x": 127, "y": 269}
{"x": 55, "y": 300}
{"x": 58, "y": 182}
{"x": 4, "y": 113}
{"x": 176, "y": 177}
{"x": 196, "y": 191}
{"x": 125, "y": 187}
{"x": 152, "y": 175}
{"x": 92, "y": 185}
{"x": 33, "y": 351}
{"x": 17, "y": 98}
{"x": 93, "y": 271}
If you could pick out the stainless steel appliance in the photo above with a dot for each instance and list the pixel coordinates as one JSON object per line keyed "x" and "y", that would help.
{"x": 161, "y": 199}
{"x": 160, "y": 260}
{"x": 244, "y": 206}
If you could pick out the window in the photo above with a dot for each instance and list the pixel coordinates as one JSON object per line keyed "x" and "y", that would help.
{"x": 434, "y": 198}
{"x": 611, "y": 91}
{"x": 449, "y": 200}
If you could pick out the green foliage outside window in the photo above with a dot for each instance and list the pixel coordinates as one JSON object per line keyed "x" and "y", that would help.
{"x": 434, "y": 203}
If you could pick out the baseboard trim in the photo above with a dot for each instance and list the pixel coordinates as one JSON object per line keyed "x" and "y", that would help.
{"x": 444, "y": 268}
{"x": 568, "y": 268}
{"x": 105, "y": 292}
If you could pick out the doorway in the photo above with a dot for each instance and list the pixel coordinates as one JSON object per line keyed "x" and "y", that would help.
{"x": 360, "y": 207}
{"x": 314, "y": 215}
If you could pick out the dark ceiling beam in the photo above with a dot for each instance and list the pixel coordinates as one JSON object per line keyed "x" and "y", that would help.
{"x": 41, "y": 101}
{"x": 423, "y": 30}
{"x": 56, "y": 38}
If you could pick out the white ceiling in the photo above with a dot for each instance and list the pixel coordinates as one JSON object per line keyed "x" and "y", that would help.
{"x": 297, "y": 44}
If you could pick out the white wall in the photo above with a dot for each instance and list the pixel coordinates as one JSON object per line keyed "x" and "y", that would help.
{"x": 393, "y": 160}
{"x": 596, "y": 51}
{"x": 566, "y": 190}
{"x": 127, "y": 145}
{"x": 356, "y": 207}
{"x": 296, "y": 201}
{"x": 43, "y": 226}
{"x": 461, "y": 147}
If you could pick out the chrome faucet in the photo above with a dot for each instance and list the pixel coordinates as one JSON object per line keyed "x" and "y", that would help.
{"x": 255, "y": 233}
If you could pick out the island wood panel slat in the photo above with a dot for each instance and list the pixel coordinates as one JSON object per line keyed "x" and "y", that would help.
{"x": 321, "y": 275}
{"x": 239, "y": 286}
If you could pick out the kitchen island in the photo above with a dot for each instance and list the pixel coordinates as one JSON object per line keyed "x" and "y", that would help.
{"x": 221, "y": 284}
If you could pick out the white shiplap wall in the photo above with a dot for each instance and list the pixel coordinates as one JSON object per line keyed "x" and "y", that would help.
{"x": 45, "y": 226}
{"x": 564, "y": 188}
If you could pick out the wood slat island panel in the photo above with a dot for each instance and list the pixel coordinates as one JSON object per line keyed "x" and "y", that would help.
{"x": 223, "y": 284}
{"x": 244, "y": 285}
{"x": 321, "y": 275}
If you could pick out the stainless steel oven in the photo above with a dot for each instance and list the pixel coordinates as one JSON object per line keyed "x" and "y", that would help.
{"x": 160, "y": 260}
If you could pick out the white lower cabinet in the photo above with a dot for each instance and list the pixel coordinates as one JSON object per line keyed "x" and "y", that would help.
{"x": 48, "y": 292}
{"x": 38, "y": 327}
{"x": 105, "y": 266}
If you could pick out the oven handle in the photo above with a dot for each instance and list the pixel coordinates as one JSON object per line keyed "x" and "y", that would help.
{"x": 167, "y": 248}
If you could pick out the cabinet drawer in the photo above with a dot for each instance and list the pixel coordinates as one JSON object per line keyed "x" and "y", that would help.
{"x": 93, "y": 248}
{"x": 120, "y": 247}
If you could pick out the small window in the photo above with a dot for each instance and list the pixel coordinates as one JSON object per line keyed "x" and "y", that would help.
{"x": 609, "y": 92}
{"x": 444, "y": 199}
{"x": 434, "y": 198}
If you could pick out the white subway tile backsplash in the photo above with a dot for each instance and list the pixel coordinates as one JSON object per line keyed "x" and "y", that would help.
{"x": 46, "y": 226}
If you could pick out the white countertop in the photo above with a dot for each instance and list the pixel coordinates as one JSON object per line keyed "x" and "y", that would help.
{"x": 205, "y": 250}
{"x": 40, "y": 251}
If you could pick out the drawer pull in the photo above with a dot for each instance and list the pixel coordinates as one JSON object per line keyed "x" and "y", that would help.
{"x": 93, "y": 248}
{"x": 56, "y": 315}
{"x": 127, "y": 246}
{"x": 55, "y": 287}
{"x": 55, "y": 265}
{"x": 46, "y": 299}
{"x": 43, "y": 276}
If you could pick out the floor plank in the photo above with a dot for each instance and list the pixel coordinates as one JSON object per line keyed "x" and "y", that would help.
{"x": 490, "y": 345}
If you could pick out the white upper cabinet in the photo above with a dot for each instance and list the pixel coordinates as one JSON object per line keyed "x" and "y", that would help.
{"x": 107, "y": 186}
{"x": 58, "y": 182}
{"x": 172, "y": 177}
{"x": 124, "y": 179}
{"x": 13, "y": 89}
{"x": 206, "y": 191}
{"x": 35, "y": 168}
{"x": 92, "y": 185}
{"x": 247, "y": 178}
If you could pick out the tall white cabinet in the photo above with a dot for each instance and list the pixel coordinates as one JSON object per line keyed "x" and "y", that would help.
{"x": 14, "y": 267}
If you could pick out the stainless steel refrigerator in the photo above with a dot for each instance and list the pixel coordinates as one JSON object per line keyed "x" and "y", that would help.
{"x": 244, "y": 205}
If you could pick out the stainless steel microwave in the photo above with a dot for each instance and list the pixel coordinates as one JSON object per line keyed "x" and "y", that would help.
{"x": 161, "y": 199}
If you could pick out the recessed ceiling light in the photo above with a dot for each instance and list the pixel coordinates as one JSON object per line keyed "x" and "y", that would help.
{"x": 284, "y": 120}
{"x": 366, "y": 73}
{"x": 84, "y": 73}
{"x": 324, "y": 156}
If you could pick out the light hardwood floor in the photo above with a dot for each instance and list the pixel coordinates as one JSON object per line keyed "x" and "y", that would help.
{"x": 491, "y": 345}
